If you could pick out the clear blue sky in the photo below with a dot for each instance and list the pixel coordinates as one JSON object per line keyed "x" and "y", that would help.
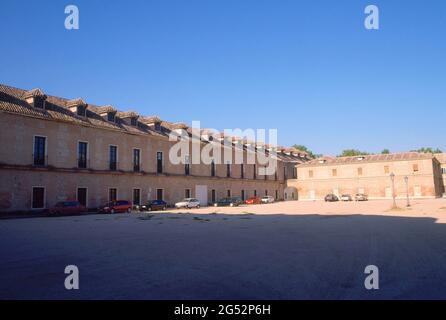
{"x": 308, "y": 68}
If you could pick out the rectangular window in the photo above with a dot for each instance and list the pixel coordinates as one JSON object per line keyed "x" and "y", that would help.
{"x": 310, "y": 173}
{"x": 82, "y": 196}
{"x": 113, "y": 158}
{"x": 242, "y": 171}
{"x": 38, "y": 201}
{"x": 39, "y": 102}
{"x": 81, "y": 111}
{"x": 255, "y": 193}
{"x": 136, "y": 160}
{"x": 213, "y": 197}
{"x": 159, "y": 163}
{"x": 187, "y": 193}
{"x": 187, "y": 167}
{"x": 39, "y": 151}
{"x": 415, "y": 167}
{"x": 285, "y": 176}
{"x": 228, "y": 193}
{"x": 386, "y": 169}
{"x": 228, "y": 170}
{"x": 277, "y": 194}
{"x": 275, "y": 175}
{"x": 112, "y": 194}
{"x": 334, "y": 172}
{"x": 443, "y": 170}
{"x": 159, "y": 194}
{"x": 255, "y": 172}
{"x": 359, "y": 171}
{"x": 212, "y": 168}
{"x": 243, "y": 195}
{"x": 266, "y": 192}
{"x": 82, "y": 150}
{"x": 134, "y": 122}
{"x": 294, "y": 173}
{"x": 111, "y": 117}
{"x": 136, "y": 197}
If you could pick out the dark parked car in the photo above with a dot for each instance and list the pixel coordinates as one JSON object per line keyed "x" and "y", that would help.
{"x": 227, "y": 202}
{"x": 153, "y": 205}
{"x": 67, "y": 207}
{"x": 116, "y": 206}
{"x": 238, "y": 200}
{"x": 331, "y": 198}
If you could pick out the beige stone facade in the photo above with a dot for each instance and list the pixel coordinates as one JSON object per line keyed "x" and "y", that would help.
{"x": 371, "y": 175}
{"x": 64, "y": 126}
{"x": 74, "y": 142}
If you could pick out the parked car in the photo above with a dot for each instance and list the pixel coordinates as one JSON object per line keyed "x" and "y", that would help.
{"x": 153, "y": 205}
{"x": 67, "y": 207}
{"x": 116, "y": 206}
{"x": 346, "y": 197}
{"x": 188, "y": 203}
{"x": 331, "y": 198}
{"x": 361, "y": 197}
{"x": 238, "y": 201}
{"x": 253, "y": 200}
{"x": 227, "y": 202}
{"x": 267, "y": 199}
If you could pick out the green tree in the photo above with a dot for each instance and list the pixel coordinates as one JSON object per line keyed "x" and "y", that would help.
{"x": 352, "y": 153}
{"x": 304, "y": 148}
{"x": 428, "y": 150}
{"x": 385, "y": 151}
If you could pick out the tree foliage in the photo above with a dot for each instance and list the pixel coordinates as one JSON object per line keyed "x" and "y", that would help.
{"x": 352, "y": 153}
{"x": 304, "y": 148}
{"x": 428, "y": 150}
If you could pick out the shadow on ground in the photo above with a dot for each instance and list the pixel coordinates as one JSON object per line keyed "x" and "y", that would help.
{"x": 186, "y": 256}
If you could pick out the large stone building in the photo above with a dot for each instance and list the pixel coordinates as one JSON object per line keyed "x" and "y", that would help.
{"x": 57, "y": 149}
{"x": 372, "y": 175}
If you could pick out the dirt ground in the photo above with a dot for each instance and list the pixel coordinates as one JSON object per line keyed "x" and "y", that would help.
{"x": 435, "y": 208}
{"x": 292, "y": 250}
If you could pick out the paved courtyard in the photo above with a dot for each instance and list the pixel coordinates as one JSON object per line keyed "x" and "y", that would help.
{"x": 292, "y": 250}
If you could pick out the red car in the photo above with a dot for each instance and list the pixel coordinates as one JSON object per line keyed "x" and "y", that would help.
{"x": 116, "y": 206}
{"x": 67, "y": 207}
{"x": 253, "y": 200}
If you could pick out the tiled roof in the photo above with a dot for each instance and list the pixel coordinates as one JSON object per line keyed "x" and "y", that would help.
{"x": 441, "y": 157}
{"x": 148, "y": 120}
{"x": 368, "y": 158}
{"x": 127, "y": 114}
{"x": 33, "y": 93}
{"x": 103, "y": 109}
{"x": 13, "y": 100}
{"x": 76, "y": 102}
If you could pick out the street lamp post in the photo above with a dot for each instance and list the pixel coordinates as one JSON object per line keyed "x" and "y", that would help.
{"x": 392, "y": 177}
{"x": 406, "y": 180}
